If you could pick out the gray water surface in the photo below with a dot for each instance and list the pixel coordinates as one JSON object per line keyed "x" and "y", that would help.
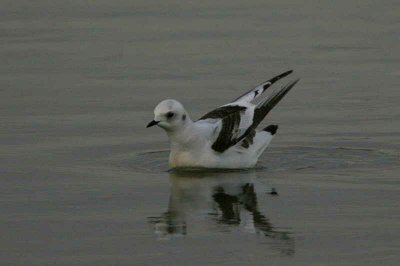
{"x": 84, "y": 182}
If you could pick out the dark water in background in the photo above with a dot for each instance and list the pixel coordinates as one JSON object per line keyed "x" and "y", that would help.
{"x": 83, "y": 181}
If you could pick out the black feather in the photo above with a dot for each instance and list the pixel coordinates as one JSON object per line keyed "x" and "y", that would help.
{"x": 223, "y": 111}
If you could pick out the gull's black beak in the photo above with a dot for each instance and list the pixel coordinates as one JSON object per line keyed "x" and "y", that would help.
{"x": 152, "y": 123}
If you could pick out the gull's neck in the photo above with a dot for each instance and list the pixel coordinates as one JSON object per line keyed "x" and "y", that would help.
{"x": 184, "y": 136}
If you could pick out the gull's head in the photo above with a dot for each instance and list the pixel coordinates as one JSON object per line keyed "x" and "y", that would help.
{"x": 169, "y": 115}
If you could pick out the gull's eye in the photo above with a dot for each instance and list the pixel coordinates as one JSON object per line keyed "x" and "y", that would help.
{"x": 169, "y": 115}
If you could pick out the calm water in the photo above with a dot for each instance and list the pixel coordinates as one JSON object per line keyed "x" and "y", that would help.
{"x": 84, "y": 182}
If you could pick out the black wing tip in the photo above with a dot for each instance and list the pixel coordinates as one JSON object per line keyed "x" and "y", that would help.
{"x": 288, "y": 87}
{"x": 276, "y": 78}
{"x": 287, "y": 72}
{"x": 271, "y": 129}
{"x": 284, "y": 74}
{"x": 291, "y": 84}
{"x": 266, "y": 106}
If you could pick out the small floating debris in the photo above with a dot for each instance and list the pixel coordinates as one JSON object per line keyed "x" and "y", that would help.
{"x": 273, "y": 192}
{"x": 306, "y": 167}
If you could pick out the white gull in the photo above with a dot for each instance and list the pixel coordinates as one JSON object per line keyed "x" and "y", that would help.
{"x": 225, "y": 137}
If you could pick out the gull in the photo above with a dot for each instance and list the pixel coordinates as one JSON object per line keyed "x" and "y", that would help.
{"x": 226, "y": 137}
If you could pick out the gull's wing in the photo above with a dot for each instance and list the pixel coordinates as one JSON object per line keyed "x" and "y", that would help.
{"x": 244, "y": 100}
{"x": 264, "y": 107}
{"x": 232, "y": 127}
{"x": 240, "y": 118}
{"x": 259, "y": 89}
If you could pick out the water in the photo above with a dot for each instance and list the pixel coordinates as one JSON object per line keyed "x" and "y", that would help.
{"x": 84, "y": 182}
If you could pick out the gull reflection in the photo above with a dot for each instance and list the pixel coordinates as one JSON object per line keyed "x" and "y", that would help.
{"x": 218, "y": 201}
